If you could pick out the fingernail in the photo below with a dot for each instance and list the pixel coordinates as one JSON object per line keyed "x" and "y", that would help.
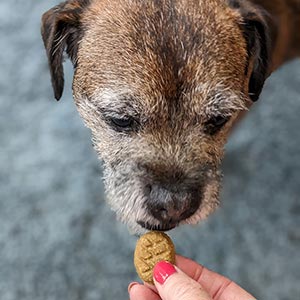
{"x": 162, "y": 271}
{"x": 131, "y": 285}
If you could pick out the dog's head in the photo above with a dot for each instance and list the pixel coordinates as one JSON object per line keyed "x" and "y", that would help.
{"x": 160, "y": 84}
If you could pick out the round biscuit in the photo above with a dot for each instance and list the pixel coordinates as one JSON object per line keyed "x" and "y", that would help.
{"x": 151, "y": 248}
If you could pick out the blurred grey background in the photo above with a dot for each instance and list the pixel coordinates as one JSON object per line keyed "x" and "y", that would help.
{"x": 59, "y": 239}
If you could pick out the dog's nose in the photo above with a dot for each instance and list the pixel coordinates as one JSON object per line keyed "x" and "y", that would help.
{"x": 171, "y": 207}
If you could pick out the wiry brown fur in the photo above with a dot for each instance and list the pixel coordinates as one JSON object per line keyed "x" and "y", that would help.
{"x": 174, "y": 65}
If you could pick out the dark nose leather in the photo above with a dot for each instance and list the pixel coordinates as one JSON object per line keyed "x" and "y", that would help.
{"x": 171, "y": 206}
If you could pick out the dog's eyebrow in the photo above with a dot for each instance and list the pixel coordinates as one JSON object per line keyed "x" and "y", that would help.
{"x": 221, "y": 100}
{"x": 224, "y": 104}
{"x": 115, "y": 102}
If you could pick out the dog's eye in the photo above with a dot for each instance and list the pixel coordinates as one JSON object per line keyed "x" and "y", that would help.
{"x": 213, "y": 125}
{"x": 122, "y": 124}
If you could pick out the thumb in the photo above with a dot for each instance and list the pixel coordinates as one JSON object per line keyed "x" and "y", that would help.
{"x": 173, "y": 284}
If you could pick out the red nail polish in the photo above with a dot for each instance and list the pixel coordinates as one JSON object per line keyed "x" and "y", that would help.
{"x": 162, "y": 271}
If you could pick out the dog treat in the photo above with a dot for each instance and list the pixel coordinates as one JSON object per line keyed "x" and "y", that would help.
{"x": 151, "y": 248}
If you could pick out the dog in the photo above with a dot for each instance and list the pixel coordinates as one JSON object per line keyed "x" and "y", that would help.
{"x": 160, "y": 83}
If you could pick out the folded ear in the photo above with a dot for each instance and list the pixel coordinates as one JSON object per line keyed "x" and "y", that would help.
{"x": 257, "y": 37}
{"x": 256, "y": 32}
{"x": 62, "y": 30}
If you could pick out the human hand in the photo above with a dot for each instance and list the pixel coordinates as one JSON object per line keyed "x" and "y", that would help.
{"x": 187, "y": 281}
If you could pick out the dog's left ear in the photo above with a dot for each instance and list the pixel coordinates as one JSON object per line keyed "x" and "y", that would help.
{"x": 62, "y": 30}
{"x": 256, "y": 32}
{"x": 258, "y": 48}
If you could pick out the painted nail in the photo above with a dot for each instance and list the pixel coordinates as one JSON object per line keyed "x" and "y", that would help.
{"x": 162, "y": 271}
{"x": 131, "y": 285}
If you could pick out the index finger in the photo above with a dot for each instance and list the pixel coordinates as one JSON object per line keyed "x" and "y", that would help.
{"x": 219, "y": 287}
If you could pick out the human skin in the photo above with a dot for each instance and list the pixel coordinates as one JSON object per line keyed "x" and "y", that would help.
{"x": 188, "y": 280}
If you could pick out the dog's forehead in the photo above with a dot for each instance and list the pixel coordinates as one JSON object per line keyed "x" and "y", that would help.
{"x": 161, "y": 52}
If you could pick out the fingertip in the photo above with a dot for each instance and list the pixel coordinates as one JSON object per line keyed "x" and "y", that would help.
{"x": 131, "y": 285}
{"x": 138, "y": 291}
{"x": 162, "y": 271}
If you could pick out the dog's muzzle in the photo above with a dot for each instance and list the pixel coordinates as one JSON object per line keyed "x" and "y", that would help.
{"x": 170, "y": 205}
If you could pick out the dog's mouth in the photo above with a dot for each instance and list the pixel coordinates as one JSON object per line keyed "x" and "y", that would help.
{"x": 157, "y": 227}
{"x": 132, "y": 207}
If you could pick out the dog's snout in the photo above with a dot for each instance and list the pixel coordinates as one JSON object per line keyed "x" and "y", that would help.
{"x": 168, "y": 206}
{"x": 164, "y": 205}
{"x": 162, "y": 172}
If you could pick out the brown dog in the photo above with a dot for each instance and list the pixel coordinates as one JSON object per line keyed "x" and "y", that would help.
{"x": 160, "y": 83}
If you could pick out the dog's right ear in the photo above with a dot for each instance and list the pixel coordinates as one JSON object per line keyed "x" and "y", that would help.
{"x": 62, "y": 30}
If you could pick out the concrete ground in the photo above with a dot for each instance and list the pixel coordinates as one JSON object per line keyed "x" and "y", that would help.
{"x": 59, "y": 239}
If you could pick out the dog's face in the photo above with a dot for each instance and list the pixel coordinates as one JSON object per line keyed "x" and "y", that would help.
{"x": 160, "y": 84}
